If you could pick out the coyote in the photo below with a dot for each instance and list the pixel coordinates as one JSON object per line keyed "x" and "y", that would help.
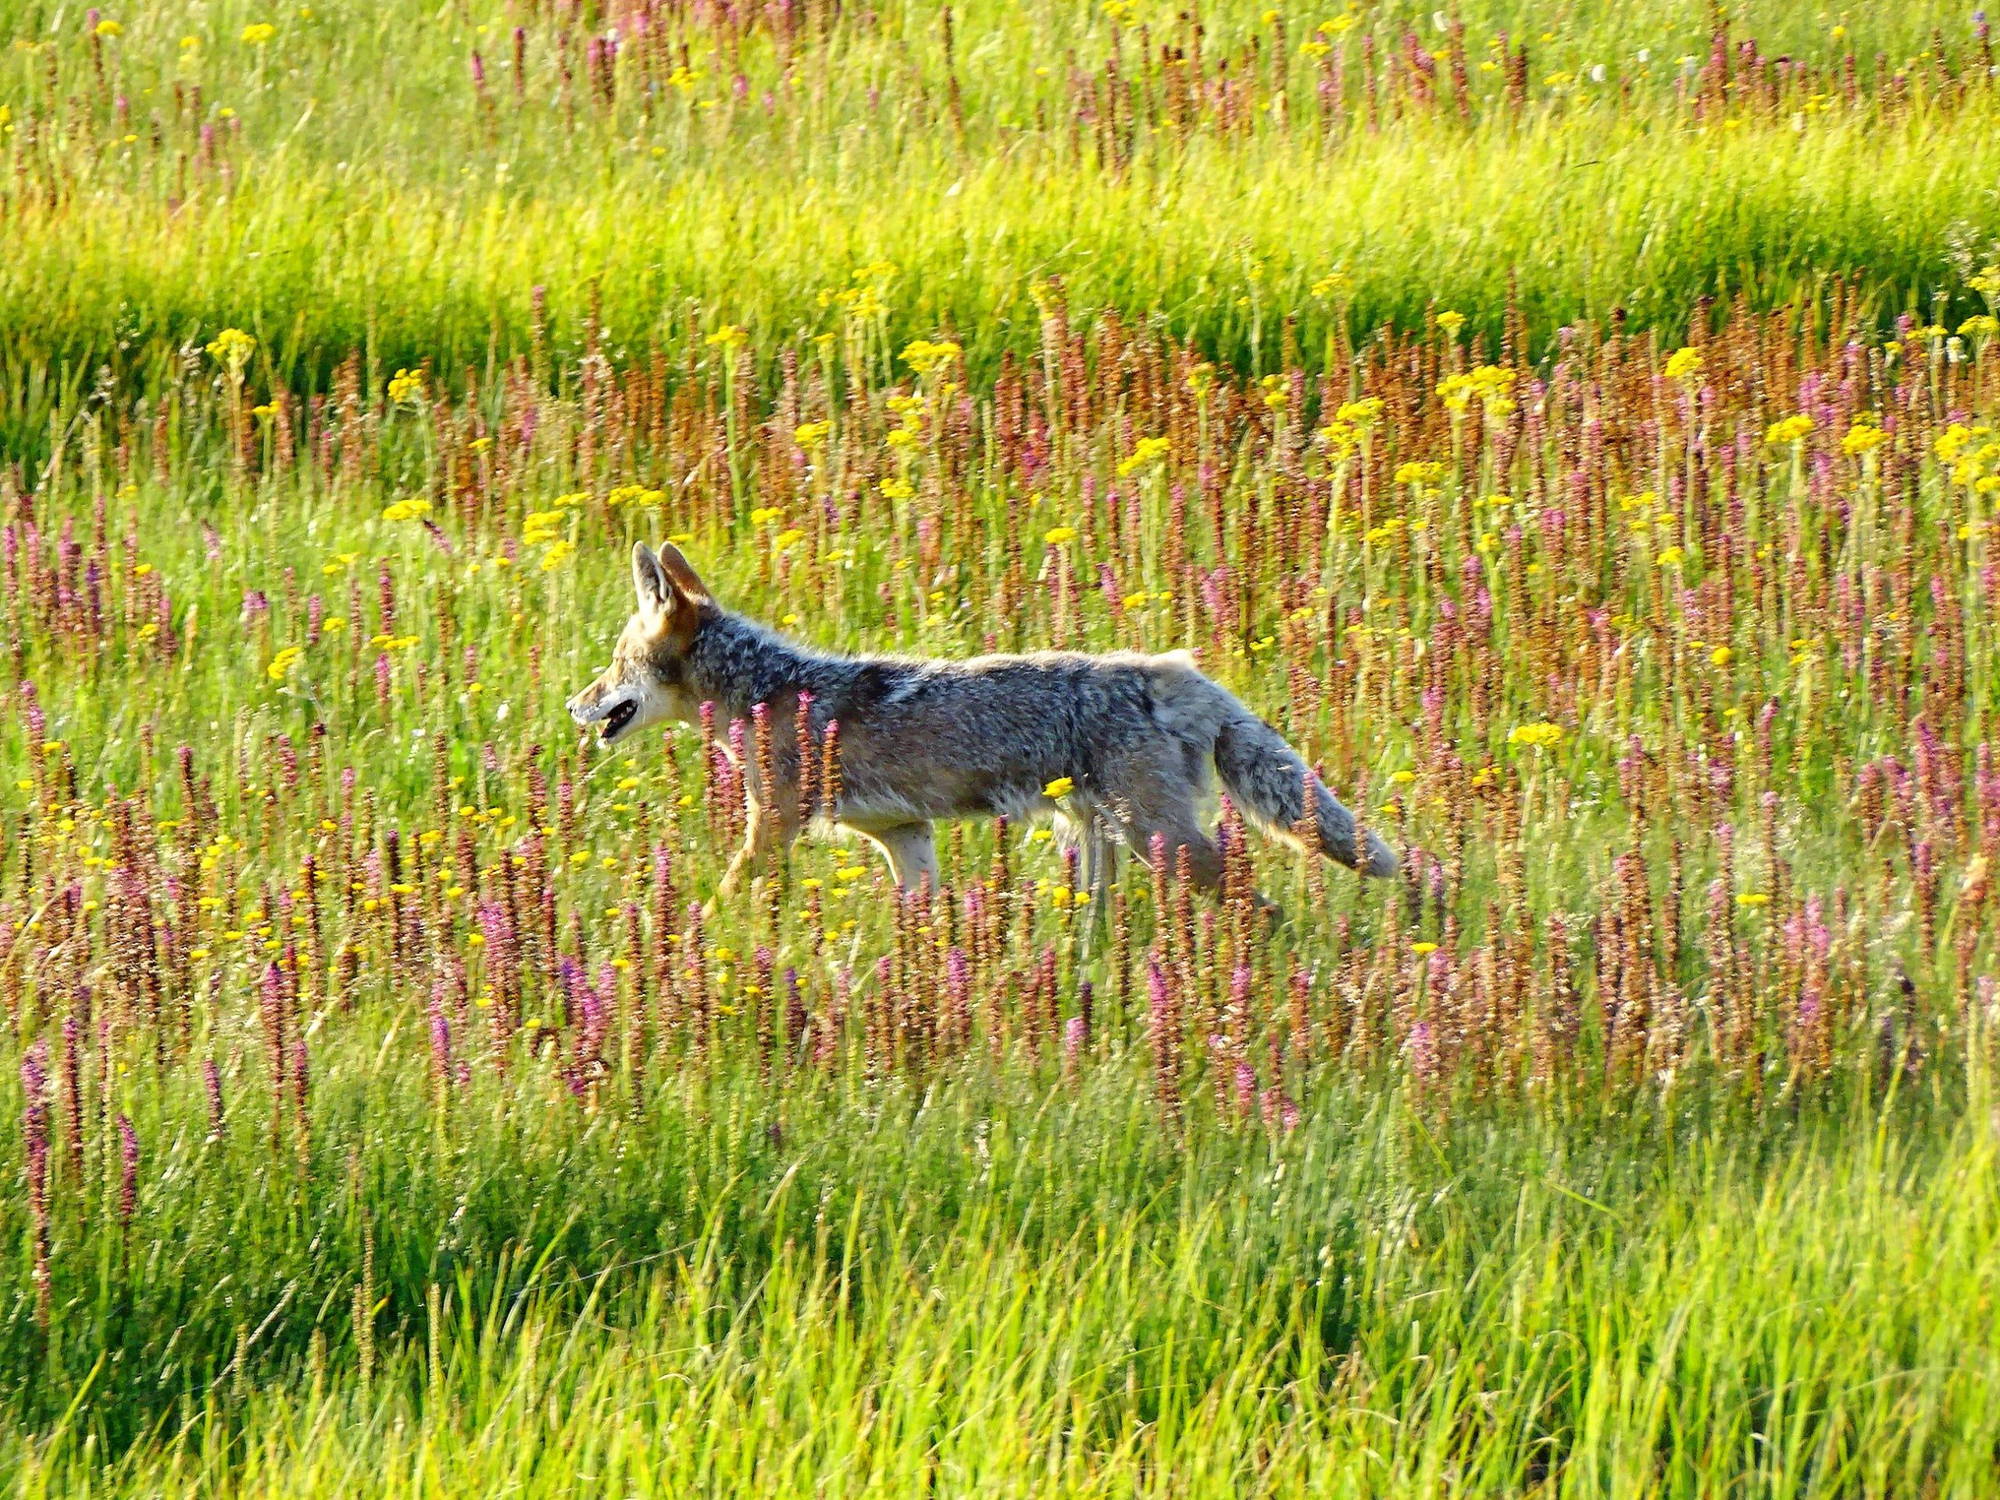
{"x": 1124, "y": 741}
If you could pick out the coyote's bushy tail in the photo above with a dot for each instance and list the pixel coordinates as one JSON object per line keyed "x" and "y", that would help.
{"x": 1267, "y": 780}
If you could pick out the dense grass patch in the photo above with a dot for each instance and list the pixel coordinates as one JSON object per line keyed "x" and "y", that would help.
{"x": 1576, "y": 434}
{"x": 352, "y": 182}
{"x": 1005, "y": 1282}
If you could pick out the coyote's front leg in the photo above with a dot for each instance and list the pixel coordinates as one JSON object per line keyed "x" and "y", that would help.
{"x": 767, "y": 829}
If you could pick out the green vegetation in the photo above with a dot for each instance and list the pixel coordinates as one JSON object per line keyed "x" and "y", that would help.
{"x": 387, "y": 1116}
{"x": 958, "y": 1292}
{"x": 352, "y": 182}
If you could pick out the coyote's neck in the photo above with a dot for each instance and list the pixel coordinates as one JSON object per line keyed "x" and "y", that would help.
{"x": 735, "y": 663}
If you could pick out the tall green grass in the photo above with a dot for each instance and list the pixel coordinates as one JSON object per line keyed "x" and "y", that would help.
{"x": 1001, "y": 1285}
{"x": 359, "y": 191}
{"x": 1497, "y": 1252}
{"x": 1582, "y": 218}
{"x": 1640, "y": 1142}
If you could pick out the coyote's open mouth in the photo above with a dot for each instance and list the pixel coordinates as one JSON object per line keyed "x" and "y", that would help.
{"x": 614, "y": 723}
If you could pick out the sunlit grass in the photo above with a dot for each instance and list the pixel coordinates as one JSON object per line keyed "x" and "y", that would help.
{"x": 386, "y": 1116}
{"x": 345, "y": 202}
{"x": 951, "y": 1291}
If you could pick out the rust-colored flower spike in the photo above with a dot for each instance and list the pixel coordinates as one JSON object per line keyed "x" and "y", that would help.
{"x": 767, "y": 1003}
{"x": 696, "y": 989}
{"x": 128, "y": 1171}
{"x": 815, "y": 917}
{"x": 734, "y": 771}
{"x": 831, "y": 788}
{"x": 805, "y": 752}
{"x": 1164, "y": 1029}
{"x": 36, "y": 1149}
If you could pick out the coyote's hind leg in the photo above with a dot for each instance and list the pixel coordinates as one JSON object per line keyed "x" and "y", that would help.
{"x": 1148, "y": 795}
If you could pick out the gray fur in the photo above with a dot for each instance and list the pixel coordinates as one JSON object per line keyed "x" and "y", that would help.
{"x": 924, "y": 739}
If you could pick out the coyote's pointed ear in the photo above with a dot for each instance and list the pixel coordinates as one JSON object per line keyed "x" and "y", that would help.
{"x": 649, "y": 581}
{"x": 682, "y": 574}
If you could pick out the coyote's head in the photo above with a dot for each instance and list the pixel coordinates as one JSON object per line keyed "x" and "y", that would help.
{"x": 647, "y": 679}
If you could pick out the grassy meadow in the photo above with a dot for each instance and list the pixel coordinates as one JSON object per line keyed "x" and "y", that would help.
{"x": 1576, "y": 428}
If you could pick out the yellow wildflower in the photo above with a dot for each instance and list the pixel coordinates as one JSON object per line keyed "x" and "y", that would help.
{"x": 1146, "y": 451}
{"x": 1340, "y": 438}
{"x": 1491, "y": 384}
{"x": 1684, "y": 363}
{"x": 923, "y": 356}
{"x": 1863, "y": 437}
{"x": 1544, "y": 735}
{"x": 231, "y": 348}
{"x": 282, "y": 664}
